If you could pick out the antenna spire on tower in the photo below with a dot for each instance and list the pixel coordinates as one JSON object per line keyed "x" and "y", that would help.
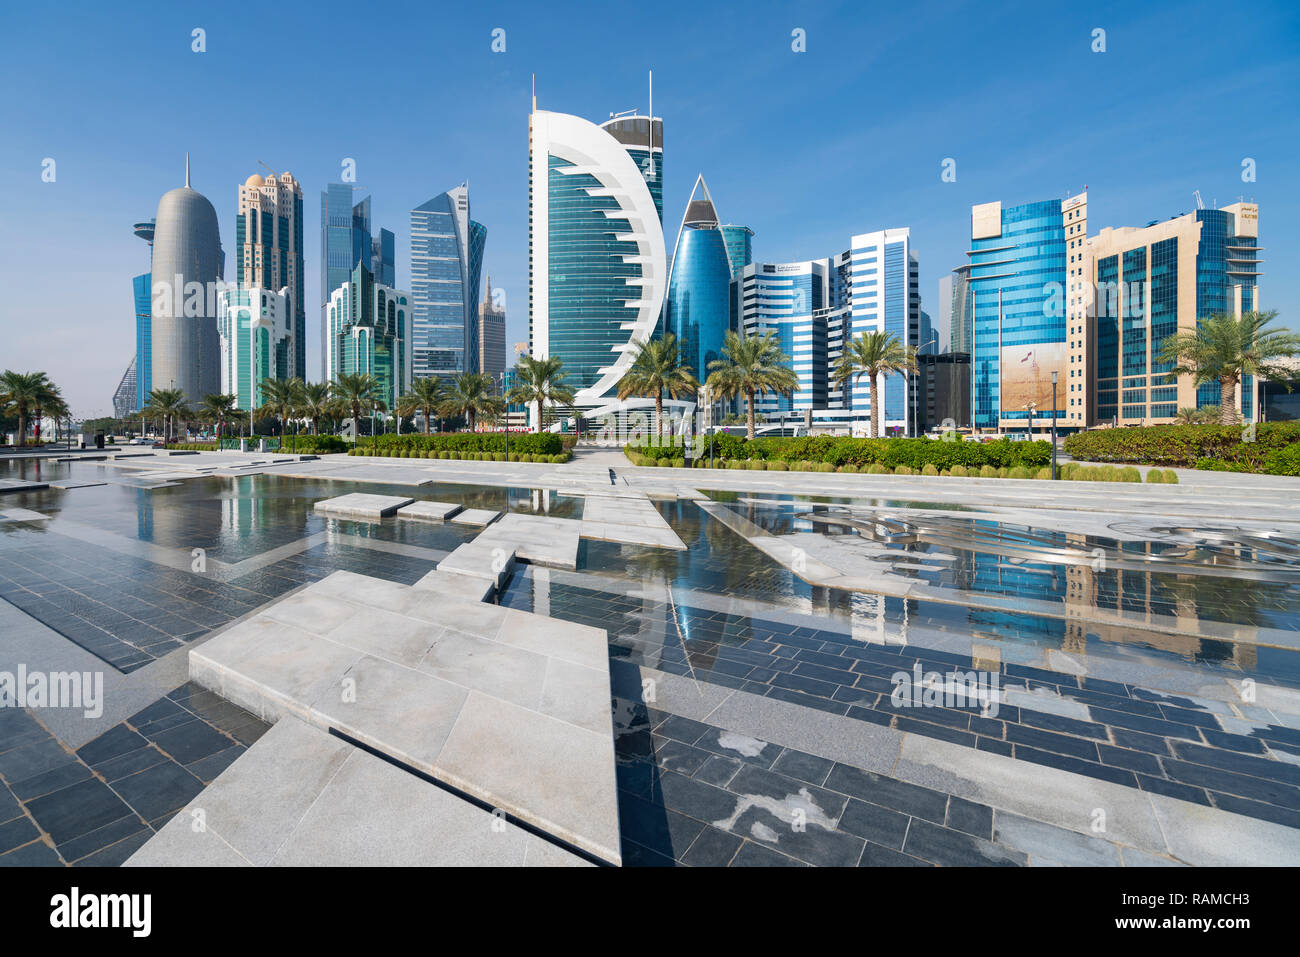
{"x": 187, "y": 168}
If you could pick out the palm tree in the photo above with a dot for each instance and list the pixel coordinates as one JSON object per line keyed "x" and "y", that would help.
{"x": 426, "y": 395}
{"x": 657, "y": 368}
{"x": 875, "y": 355}
{"x": 751, "y": 365}
{"x": 539, "y": 383}
{"x": 314, "y": 402}
{"x": 470, "y": 394}
{"x": 1224, "y": 348}
{"x": 219, "y": 409}
{"x": 357, "y": 391}
{"x": 24, "y": 392}
{"x": 279, "y": 399}
{"x": 167, "y": 405}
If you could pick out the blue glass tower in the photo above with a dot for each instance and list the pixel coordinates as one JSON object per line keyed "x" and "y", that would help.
{"x": 697, "y": 310}
{"x": 346, "y": 240}
{"x": 740, "y": 248}
{"x": 446, "y": 266}
{"x": 1018, "y": 324}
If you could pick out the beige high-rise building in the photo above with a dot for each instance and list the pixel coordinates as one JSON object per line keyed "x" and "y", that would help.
{"x": 1143, "y": 285}
{"x": 491, "y": 335}
{"x": 269, "y": 251}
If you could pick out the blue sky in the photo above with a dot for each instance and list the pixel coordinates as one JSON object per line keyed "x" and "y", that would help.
{"x": 806, "y": 148}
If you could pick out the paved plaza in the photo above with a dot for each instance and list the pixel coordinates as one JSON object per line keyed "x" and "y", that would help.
{"x": 354, "y": 660}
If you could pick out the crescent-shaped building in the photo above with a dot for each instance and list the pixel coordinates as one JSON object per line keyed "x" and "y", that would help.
{"x": 598, "y": 270}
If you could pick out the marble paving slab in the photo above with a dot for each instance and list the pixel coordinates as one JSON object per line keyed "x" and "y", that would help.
{"x": 475, "y": 516}
{"x": 508, "y": 706}
{"x": 427, "y": 511}
{"x": 362, "y": 505}
{"x": 300, "y": 796}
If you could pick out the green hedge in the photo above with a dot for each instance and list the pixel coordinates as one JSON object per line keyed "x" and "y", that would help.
{"x": 1216, "y": 447}
{"x": 521, "y": 443}
{"x": 840, "y": 451}
{"x": 558, "y": 458}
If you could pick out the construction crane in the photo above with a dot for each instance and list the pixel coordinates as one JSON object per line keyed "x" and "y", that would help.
{"x": 1200, "y": 203}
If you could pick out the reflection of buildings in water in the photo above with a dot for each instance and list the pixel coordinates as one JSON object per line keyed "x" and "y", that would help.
{"x": 541, "y": 500}
{"x": 870, "y": 619}
{"x": 1135, "y": 595}
{"x": 541, "y": 588}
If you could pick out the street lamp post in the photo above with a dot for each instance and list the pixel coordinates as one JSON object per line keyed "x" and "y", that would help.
{"x": 1053, "y": 425}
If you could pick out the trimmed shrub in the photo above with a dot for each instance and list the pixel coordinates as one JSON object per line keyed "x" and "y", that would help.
{"x": 756, "y": 464}
{"x": 1044, "y": 473}
{"x": 776, "y": 466}
{"x": 677, "y": 463}
{"x": 1283, "y": 461}
{"x": 1020, "y": 472}
{"x": 824, "y": 467}
{"x": 988, "y": 471}
{"x": 878, "y": 469}
{"x": 903, "y": 470}
{"x": 850, "y": 467}
{"x": 1186, "y": 445}
{"x": 736, "y": 464}
{"x": 929, "y": 469}
{"x": 958, "y": 470}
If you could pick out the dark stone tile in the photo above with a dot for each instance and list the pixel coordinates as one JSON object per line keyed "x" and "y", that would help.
{"x": 1241, "y": 763}
{"x": 753, "y": 781}
{"x": 970, "y": 818}
{"x": 754, "y": 855}
{"x": 696, "y": 799}
{"x": 162, "y": 789}
{"x": 949, "y": 848}
{"x": 875, "y": 823}
{"x": 1090, "y": 769}
{"x": 713, "y": 848}
{"x": 804, "y": 767}
{"x": 1083, "y": 749}
{"x": 33, "y": 759}
{"x": 1156, "y": 726}
{"x": 191, "y": 741}
{"x": 1054, "y": 678}
{"x": 740, "y": 747}
{"x": 804, "y": 840}
{"x": 887, "y": 792}
{"x": 1139, "y": 741}
{"x": 994, "y": 746}
{"x": 1183, "y": 792}
{"x": 111, "y": 744}
{"x": 718, "y": 770}
{"x": 36, "y": 854}
{"x": 16, "y": 833}
{"x": 1228, "y": 782}
{"x": 1062, "y": 725}
{"x": 115, "y": 855}
{"x": 48, "y": 781}
{"x": 130, "y": 763}
{"x": 942, "y": 732}
{"x": 102, "y": 837}
{"x": 1233, "y": 742}
{"x": 635, "y": 855}
{"x": 873, "y": 855}
{"x": 675, "y": 756}
{"x": 1202, "y": 719}
{"x": 207, "y": 769}
{"x": 1138, "y": 761}
{"x": 1288, "y": 817}
{"x": 655, "y": 827}
{"x": 77, "y": 809}
{"x": 882, "y": 718}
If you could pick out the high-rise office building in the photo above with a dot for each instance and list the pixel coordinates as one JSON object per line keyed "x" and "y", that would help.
{"x": 446, "y": 266}
{"x": 885, "y": 296}
{"x": 140, "y": 287}
{"x": 256, "y": 329}
{"x": 954, "y": 291}
{"x": 740, "y": 246}
{"x": 124, "y": 396}
{"x": 346, "y": 241}
{"x": 492, "y": 334}
{"x": 369, "y": 332}
{"x": 788, "y": 300}
{"x": 697, "y": 311}
{"x": 268, "y": 240}
{"x": 1021, "y": 258}
{"x": 188, "y": 265}
{"x": 1137, "y": 287}
{"x": 598, "y": 270}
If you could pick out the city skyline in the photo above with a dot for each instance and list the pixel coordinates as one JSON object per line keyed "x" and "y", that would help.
{"x": 802, "y": 190}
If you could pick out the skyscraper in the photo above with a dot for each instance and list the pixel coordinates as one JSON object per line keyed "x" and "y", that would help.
{"x": 789, "y": 300}
{"x": 955, "y": 295}
{"x": 446, "y": 266}
{"x": 140, "y": 286}
{"x": 598, "y": 269}
{"x": 187, "y": 266}
{"x": 886, "y": 296}
{"x": 268, "y": 240}
{"x": 491, "y": 334}
{"x": 369, "y": 332}
{"x": 346, "y": 240}
{"x": 697, "y": 310}
{"x": 124, "y": 396}
{"x": 1142, "y": 285}
{"x": 1018, "y": 272}
{"x": 740, "y": 247}
{"x": 256, "y": 330}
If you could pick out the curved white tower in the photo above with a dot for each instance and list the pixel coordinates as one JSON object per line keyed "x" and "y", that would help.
{"x": 598, "y": 270}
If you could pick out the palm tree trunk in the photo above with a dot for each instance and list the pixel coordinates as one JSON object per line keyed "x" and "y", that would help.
{"x": 426, "y": 420}
{"x": 22, "y": 426}
{"x": 877, "y": 407}
{"x": 659, "y": 417}
{"x": 1228, "y": 400}
{"x": 749, "y": 413}
{"x": 539, "y": 414}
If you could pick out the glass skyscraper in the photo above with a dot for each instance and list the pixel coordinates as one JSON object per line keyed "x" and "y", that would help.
{"x": 369, "y": 332}
{"x": 697, "y": 311}
{"x": 141, "y": 289}
{"x": 597, "y": 264}
{"x": 1017, "y": 281}
{"x": 446, "y": 265}
{"x": 269, "y": 250}
{"x": 789, "y": 300}
{"x": 346, "y": 241}
{"x": 740, "y": 249}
